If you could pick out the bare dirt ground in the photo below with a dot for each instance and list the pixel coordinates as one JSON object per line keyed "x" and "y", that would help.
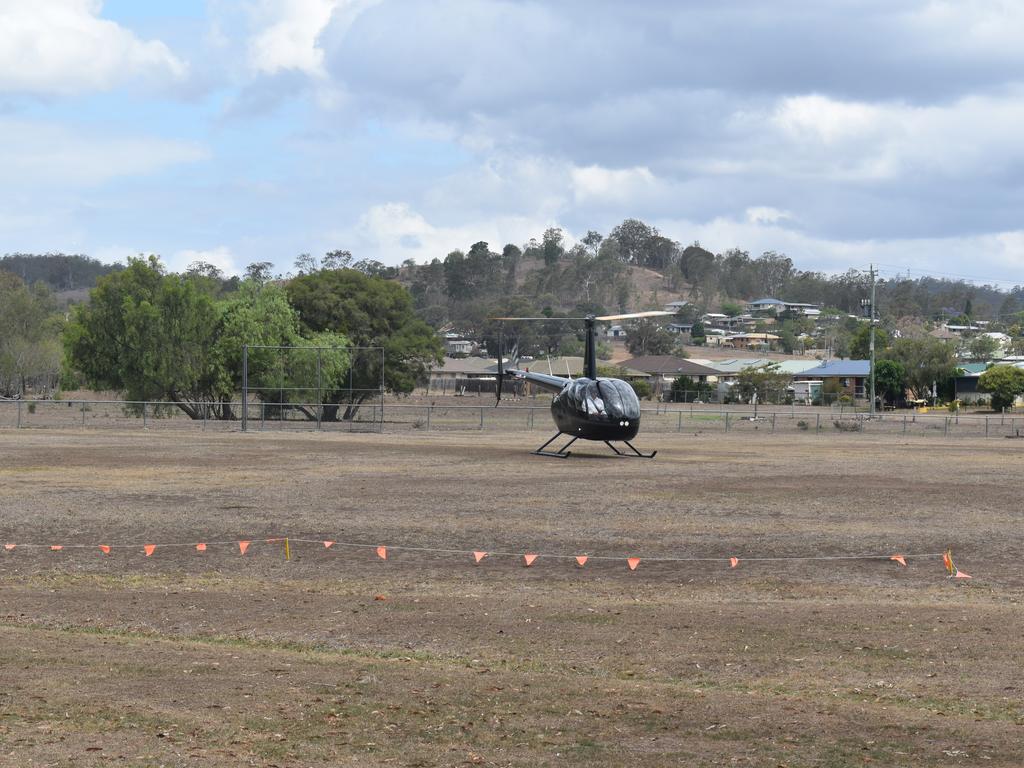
{"x": 337, "y": 657}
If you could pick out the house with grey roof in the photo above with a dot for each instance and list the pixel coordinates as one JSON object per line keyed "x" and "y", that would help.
{"x": 664, "y": 369}
{"x": 777, "y": 307}
{"x": 850, "y": 375}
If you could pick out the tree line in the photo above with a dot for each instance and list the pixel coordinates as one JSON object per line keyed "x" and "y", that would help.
{"x": 594, "y": 273}
{"x": 57, "y": 271}
{"x": 155, "y": 335}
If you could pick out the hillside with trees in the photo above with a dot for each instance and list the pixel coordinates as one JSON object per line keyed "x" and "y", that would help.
{"x": 154, "y": 334}
{"x": 635, "y": 267}
{"x": 57, "y": 271}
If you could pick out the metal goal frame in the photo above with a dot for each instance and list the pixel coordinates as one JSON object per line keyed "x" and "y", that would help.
{"x": 354, "y": 351}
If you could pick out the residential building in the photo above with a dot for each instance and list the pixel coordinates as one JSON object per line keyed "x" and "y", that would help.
{"x": 850, "y": 375}
{"x": 662, "y": 370}
{"x": 777, "y": 307}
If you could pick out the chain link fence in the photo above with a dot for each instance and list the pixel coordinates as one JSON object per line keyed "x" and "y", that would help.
{"x": 400, "y": 417}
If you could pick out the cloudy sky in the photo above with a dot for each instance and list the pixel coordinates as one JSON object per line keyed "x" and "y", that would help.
{"x": 244, "y": 130}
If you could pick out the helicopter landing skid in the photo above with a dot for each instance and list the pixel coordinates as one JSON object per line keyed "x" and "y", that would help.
{"x": 635, "y": 453}
{"x": 561, "y": 453}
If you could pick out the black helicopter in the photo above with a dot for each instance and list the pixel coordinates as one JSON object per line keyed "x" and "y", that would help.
{"x": 590, "y": 407}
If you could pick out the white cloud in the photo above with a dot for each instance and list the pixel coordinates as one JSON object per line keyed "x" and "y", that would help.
{"x": 819, "y": 118}
{"x": 971, "y": 26}
{"x": 220, "y": 257}
{"x": 63, "y": 47}
{"x": 615, "y": 185}
{"x": 288, "y": 38}
{"x": 819, "y": 137}
{"x": 36, "y": 153}
{"x": 994, "y": 257}
{"x": 393, "y": 232}
{"x": 765, "y": 214}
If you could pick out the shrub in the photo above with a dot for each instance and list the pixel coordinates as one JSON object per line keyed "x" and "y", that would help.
{"x": 1004, "y": 383}
{"x": 642, "y": 389}
{"x": 848, "y": 426}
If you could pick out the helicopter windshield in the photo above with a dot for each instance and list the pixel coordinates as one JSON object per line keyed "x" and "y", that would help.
{"x": 612, "y": 398}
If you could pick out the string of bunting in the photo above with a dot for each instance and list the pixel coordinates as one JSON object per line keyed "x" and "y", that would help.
{"x": 528, "y": 558}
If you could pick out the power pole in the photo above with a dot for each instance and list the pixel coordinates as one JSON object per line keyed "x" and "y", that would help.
{"x": 872, "y": 340}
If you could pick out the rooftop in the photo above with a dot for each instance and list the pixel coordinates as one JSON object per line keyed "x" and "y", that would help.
{"x": 668, "y": 364}
{"x": 839, "y": 368}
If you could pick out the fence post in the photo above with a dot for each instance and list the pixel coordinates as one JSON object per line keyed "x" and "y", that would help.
{"x": 817, "y": 423}
{"x": 206, "y": 410}
{"x": 679, "y": 422}
{"x": 19, "y": 414}
{"x": 481, "y": 412}
{"x": 904, "y": 423}
{"x": 773, "y": 421}
{"x": 986, "y": 426}
{"x": 726, "y": 421}
{"x": 428, "y": 417}
{"x": 144, "y": 422}
{"x": 945, "y": 426}
{"x": 83, "y": 413}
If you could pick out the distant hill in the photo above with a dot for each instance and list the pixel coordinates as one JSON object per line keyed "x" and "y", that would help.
{"x": 61, "y": 272}
{"x": 634, "y": 267}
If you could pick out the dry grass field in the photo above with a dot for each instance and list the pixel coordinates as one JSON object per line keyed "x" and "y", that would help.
{"x": 340, "y": 658}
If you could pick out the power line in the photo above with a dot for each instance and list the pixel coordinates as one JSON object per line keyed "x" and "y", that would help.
{"x": 906, "y": 271}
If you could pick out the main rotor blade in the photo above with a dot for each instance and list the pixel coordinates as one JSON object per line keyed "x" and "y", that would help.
{"x": 538, "y": 318}
{"x": 634, "y": 315}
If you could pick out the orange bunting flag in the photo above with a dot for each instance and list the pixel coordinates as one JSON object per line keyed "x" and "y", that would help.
{"x": 947, "y": 560}
{"x": 733, "y": 562}
{"x": 382, "y": 553}
{"x": 243, "y": 546}
{"x": 56, "y": 547}
{"x": 328, "y": 544}
{"x": 9, "y": 547}
{"x": 528, "y": 560}
{"x": 954, "y": 572}
{"x": 478, "y": 556}
{"x": 105, "y": 549}
{"x": 581, "y": 560}
{"x": 149, "y": 549}
{"x": 632, "y": 562}
{"x": 899, "y": 559}
{"x": 200, "y": 547}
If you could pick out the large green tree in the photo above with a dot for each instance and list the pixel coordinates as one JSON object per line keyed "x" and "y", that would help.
{"x": 648, "y": 337}
{"x": 284, "y": 367}
{"x": 767, "y": 381}
{"x": 1004, "y": 383}
{"x": 983, "y": 348}
{"x": 890, "y": 380}
{"x": 371, "y": 312}
{"x": 158, "y": 336}
{"x": 147, "y": 334}
{"x": 926, "y": 361}
{"x": 860, "y": 342}
{"x": 29, "y": 343}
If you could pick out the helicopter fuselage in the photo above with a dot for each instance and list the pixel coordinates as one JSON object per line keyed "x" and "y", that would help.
{"x": 592, "y": 409}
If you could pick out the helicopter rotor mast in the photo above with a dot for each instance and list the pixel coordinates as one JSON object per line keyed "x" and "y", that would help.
{"x": 590, "y": 343}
